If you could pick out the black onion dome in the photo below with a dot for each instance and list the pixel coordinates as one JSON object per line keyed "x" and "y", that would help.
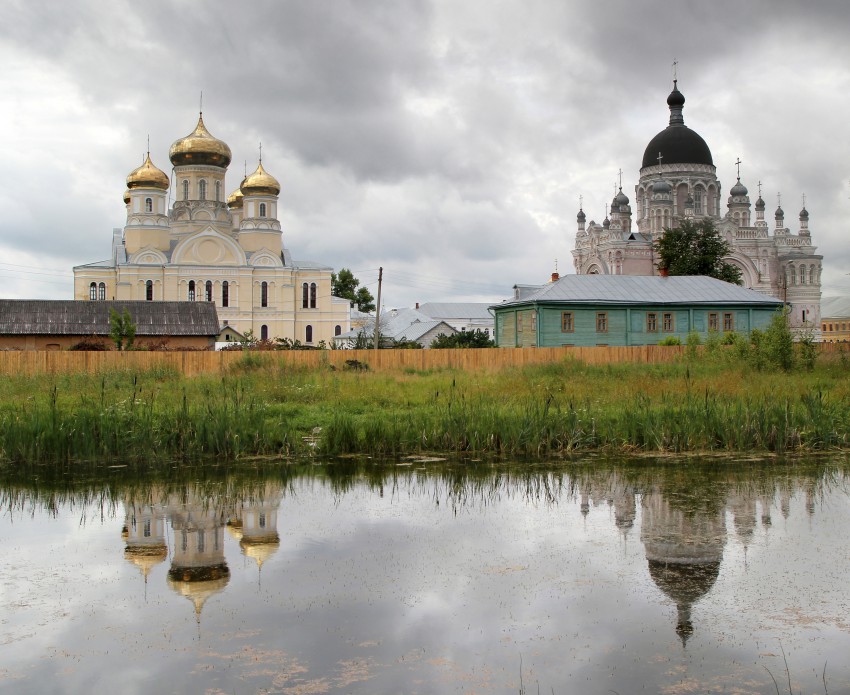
{"x": 677, "y": 144}
{"x": 760, "y": 204}
{"x": 738, "y": 189}
{"x": 804, "y": 214}
{"x": 581, "y": 217}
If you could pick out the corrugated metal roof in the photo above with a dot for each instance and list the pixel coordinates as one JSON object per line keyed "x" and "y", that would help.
{"x": 69, "y": 317}
{"x": 835, "y": 307}
{"x": 629, "y": 289}
{"x": 456, "y": 310}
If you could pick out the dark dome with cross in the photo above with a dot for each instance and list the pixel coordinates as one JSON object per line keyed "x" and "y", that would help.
{"x": 676, "y": 144}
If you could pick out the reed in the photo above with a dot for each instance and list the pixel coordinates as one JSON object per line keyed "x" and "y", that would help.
{"x": 264, "y": 407}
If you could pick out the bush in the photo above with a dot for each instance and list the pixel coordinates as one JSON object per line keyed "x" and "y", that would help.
{"x": 90, "y": 345}
{"x": 671, "y": 340}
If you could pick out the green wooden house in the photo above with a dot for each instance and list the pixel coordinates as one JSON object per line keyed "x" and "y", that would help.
{"x": 614, "y": 310}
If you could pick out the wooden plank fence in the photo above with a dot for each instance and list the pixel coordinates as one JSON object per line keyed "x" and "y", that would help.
{"x": 194, "y": 363}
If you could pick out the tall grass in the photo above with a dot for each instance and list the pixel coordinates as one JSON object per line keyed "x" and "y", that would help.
{"x": 543, "y": 410}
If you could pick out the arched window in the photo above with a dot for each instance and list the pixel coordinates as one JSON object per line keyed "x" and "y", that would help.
{"x": 218, "y": 191}
{"x": 101, "y": 291}
{"x": 93, "y": 291}
{"x": 185, "y": 189}
{"x": 264, "y": 332}
{"x": 149, "y": 290}
{"x": 262, "y": 209}
{"x": 305, "y": 289}
{"x": 308, "y": 334}
{"x": 337, "y": 330}
{"x": 208, "y": 291}
{"x": 225, "y": 293}
{"x": 264, "y": 294}
{"x": 803, "y": 274}
{"x": 148, "y": 204}
{"x": 312, "y": 295}
{"x": 792, "y": 276}
{"x": 191, "y": 290}
{"x": 202, "y": 190}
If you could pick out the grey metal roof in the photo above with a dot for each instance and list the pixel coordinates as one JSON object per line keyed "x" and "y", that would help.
{"x": 835, "y": 307}
{"x": 69, "y": 317}
{"x": 456, "y": 310}
{"x": 628, "y": 289}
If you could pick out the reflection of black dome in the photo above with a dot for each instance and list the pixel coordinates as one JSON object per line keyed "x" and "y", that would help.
{"x": 685, "y": 583}
{"x": 677, "y": 143}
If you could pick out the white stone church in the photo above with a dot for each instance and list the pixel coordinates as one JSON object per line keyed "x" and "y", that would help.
{"x": 184, "y": 240}
{"x": 678, "y": 181}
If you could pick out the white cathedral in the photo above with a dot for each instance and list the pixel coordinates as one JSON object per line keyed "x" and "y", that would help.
{"x": 678, "y": 181}
{"x": 187, "y": 242}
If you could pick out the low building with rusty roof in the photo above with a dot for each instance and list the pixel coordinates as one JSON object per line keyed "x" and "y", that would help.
{"x": 37, "y": 324}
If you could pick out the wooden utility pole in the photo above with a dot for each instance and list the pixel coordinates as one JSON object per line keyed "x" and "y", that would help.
{"x": 378, "y": 312}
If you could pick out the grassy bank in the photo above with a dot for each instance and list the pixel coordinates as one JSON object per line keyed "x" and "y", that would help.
{"x": 262, "y": 408}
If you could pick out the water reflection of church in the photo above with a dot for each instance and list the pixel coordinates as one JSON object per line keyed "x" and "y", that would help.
{"x": 683, "y": 529}
{"x": 198, "y": 565}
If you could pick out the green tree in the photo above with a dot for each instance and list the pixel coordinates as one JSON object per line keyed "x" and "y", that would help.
{"x": 122, "y": 330}
{"x": 696, "y": 248}
{"x": 464, "y": 339}
{"x": 347, "y": 286}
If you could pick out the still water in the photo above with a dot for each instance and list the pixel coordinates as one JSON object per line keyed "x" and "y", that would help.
{"x": 430, "y": 577}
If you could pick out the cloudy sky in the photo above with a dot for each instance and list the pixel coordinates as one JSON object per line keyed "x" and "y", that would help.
{"x": 447, "y": 141}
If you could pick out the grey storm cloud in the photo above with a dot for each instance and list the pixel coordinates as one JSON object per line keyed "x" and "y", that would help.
{"x": 447, "y": 142}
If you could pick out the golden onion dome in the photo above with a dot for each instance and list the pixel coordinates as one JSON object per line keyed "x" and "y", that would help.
{"x": 260, "y": 183}
{"x": 234, "y": 200}
{"x": 127, "y": 197}
{"x": 147, "y": 176}
{"x": 200, "y": 147}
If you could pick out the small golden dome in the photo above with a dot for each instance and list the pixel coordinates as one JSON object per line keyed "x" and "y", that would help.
{"x": 200, "y": 147}
{"x": 147, "y": 176}
{"x": 127, "y": 197}
{"x": 234, "y": 200}
{"x": 260, "y": 183}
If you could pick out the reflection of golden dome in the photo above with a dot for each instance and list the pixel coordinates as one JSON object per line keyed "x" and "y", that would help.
{"x": 260, "y": 183}
{"x": 147, "y": 176}
{"x": 200, "y": 147}
{"x": 127, "y": 197}
{"x": 234, "y": 200}
{"x": 146, "y": 557}
{"x": 198, "y": 583}
{"x": 260, "y": 548}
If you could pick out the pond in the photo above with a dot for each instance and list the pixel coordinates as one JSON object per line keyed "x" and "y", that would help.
{"x": 679, "y": 576}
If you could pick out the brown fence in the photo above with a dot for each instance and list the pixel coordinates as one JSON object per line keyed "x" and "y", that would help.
{"x": 192, "y": 363}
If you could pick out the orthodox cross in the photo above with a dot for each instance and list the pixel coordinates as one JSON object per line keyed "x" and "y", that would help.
{"x": 738, "y": 164}
{"x": 759, "y": 189}
{"x": 660, "y": 157}
{"x": 779, "y": 200}
{"x": 261, "y": 153}
{"x": 581, "y": 202}
{"x": 621, "y": 177}
{"x": 201, "y": 105}
{"x": 149, "y": 144}
{"x": 675, "y": 65}
{"x": 804, "y": 200}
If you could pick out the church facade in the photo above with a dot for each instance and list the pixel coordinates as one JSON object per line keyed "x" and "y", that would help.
{"x": 185, "y": 241}
{"x": 678, "y": 181}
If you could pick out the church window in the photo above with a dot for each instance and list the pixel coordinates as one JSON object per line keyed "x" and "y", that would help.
{"x": 148, "y": 204}
{"x": 262, "y": 520}
{"x": 201, "y": 540}
{"x": 713, "y": 322}
{"x": 208, "y": 291}
{"x": 93, "y": 291}
{"x": 191, "y": 290}
{"x": 218, "y": 191}
{"x": 264, "y": 332}
{"x": 698, "y": 201}
{"x": 184, "y": 540}
{"x": 202, "y": 190}
{"x": 312, "y": 295}
{"x": 728, "y": 322}
{"x": 602, "y": 322}
{"x": 305, "y": 289}
{"x": 792, "y": 275}
{"x": 803, "y": 314}
{"x": 262, "y": 209}
{"x": 668, "y": 323}
{"x": 225, "y": 293}
{"x": 802, "y": 275}
{"x": 264, "y": 294}
{"x": 652, "y": 322}
{"x": 149, "y": 291}
{"x": 308, "y": 334}
{"x": 101, "y": 291}
{"x": 337, "y": 330}
{"x": 567, "y": 322}
{"x": 185, "y": 189}
{"x": 146, "y": 528}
